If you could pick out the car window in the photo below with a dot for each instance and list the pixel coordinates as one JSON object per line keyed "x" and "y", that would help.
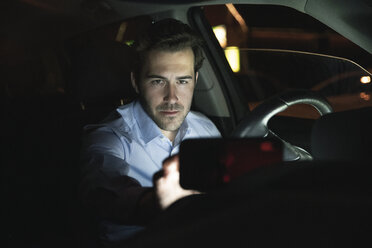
{"x": 271, "y": 49}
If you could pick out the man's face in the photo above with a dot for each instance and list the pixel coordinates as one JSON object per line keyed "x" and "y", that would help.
{"x": 166, "y": 87}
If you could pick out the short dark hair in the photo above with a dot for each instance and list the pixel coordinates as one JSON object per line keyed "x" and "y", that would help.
{"x": 168, "y": 35}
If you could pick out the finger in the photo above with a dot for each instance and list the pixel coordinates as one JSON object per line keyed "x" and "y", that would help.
{"x": 171, "y": 165}
{"x": 159, "y": 174}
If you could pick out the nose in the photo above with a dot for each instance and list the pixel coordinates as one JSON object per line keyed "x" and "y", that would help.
{"x": 170, "y": 93}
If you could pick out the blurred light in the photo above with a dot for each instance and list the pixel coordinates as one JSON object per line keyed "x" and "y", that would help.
{"x": 226, "y": 178}
{"x": 234, "y": 12}
{"x": 220, "y": 33}
{"x": 82, "y": 105}
{"x": 365, "y": 96}
{"x": 365, "y": 79}
{"x": 233, "y": 57}
{"x": 121, "y": 32}
{"x": 266, "y": 146}
{"x": 129, "y": 42}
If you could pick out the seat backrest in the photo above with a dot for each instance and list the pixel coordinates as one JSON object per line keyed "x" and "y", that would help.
{"x": 343, "y": 136}
{"x": 101, "y": 78}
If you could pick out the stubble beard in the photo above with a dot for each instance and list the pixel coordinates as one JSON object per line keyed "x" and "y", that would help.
{"x": 166, "y": 123}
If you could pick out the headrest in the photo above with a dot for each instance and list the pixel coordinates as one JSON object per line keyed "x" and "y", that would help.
{"x": 101, "y": 71}
{"x": 343, "y": 136}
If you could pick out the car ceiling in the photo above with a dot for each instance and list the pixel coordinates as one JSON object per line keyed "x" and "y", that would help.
{"x": 24, "y": 20}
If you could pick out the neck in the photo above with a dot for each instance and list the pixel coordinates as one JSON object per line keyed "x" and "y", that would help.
{"x": 171, "y": 135}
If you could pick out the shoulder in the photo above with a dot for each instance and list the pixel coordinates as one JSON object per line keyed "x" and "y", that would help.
{"x": 201, "y": 124}
{"x": 112, "y": 135}
{"x": 119, "y": 120}
{"x": 114, "y": 131}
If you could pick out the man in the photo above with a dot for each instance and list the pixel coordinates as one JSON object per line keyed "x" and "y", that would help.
{"x": 121, "y": 156}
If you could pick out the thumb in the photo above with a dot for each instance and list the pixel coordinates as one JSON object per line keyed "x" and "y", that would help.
{"x": 171, "y": 165}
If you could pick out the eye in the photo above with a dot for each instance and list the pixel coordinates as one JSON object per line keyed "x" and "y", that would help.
{"x": 157, "y": 82}
{"x": 183, "y": 81}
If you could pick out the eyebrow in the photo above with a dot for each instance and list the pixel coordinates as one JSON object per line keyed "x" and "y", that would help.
{"x": 158, "y": 76}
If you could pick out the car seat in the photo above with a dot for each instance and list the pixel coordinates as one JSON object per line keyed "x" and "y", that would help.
{"x": 101, "y": 78}
{"x": 343, "y": 136}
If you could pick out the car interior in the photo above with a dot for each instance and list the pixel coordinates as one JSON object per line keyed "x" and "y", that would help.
{"x": 67, "y": 64}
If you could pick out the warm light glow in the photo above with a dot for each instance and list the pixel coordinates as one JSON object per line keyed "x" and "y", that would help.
{"x": 365, "y": 96}
{"x": 365, "y": 80}
{"x": 234, "y": 12}
{"x": 233, "y": 57}
{"x": 220, "y": 33}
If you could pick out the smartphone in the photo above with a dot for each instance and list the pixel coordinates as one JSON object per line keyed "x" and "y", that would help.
{"x": 208, "y": 164}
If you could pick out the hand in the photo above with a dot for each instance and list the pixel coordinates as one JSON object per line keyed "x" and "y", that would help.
{"x": 167, "y": 186}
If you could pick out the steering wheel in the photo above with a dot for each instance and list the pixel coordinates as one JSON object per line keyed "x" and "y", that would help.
{"x": 255, "y": 124}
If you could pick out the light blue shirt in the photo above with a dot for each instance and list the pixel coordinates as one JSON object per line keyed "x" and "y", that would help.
{"x": 131, "y": 144}
{"x": 137, "y": 142}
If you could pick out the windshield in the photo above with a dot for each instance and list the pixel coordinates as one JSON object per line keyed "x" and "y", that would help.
{"x": 268, "y": 72}
{"x": 289, "y": 50}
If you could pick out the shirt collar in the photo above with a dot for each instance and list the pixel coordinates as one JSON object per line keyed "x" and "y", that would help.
{"x": 182, "y": 132}
{"x": 148, "y": 128}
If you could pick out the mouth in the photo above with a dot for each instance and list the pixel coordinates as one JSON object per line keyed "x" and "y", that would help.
{"x": 169, "y": 113}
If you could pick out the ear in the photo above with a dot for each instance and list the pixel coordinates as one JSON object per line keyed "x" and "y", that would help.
{"x": 196, "y": 77}
{"x": 133, "y": 81}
